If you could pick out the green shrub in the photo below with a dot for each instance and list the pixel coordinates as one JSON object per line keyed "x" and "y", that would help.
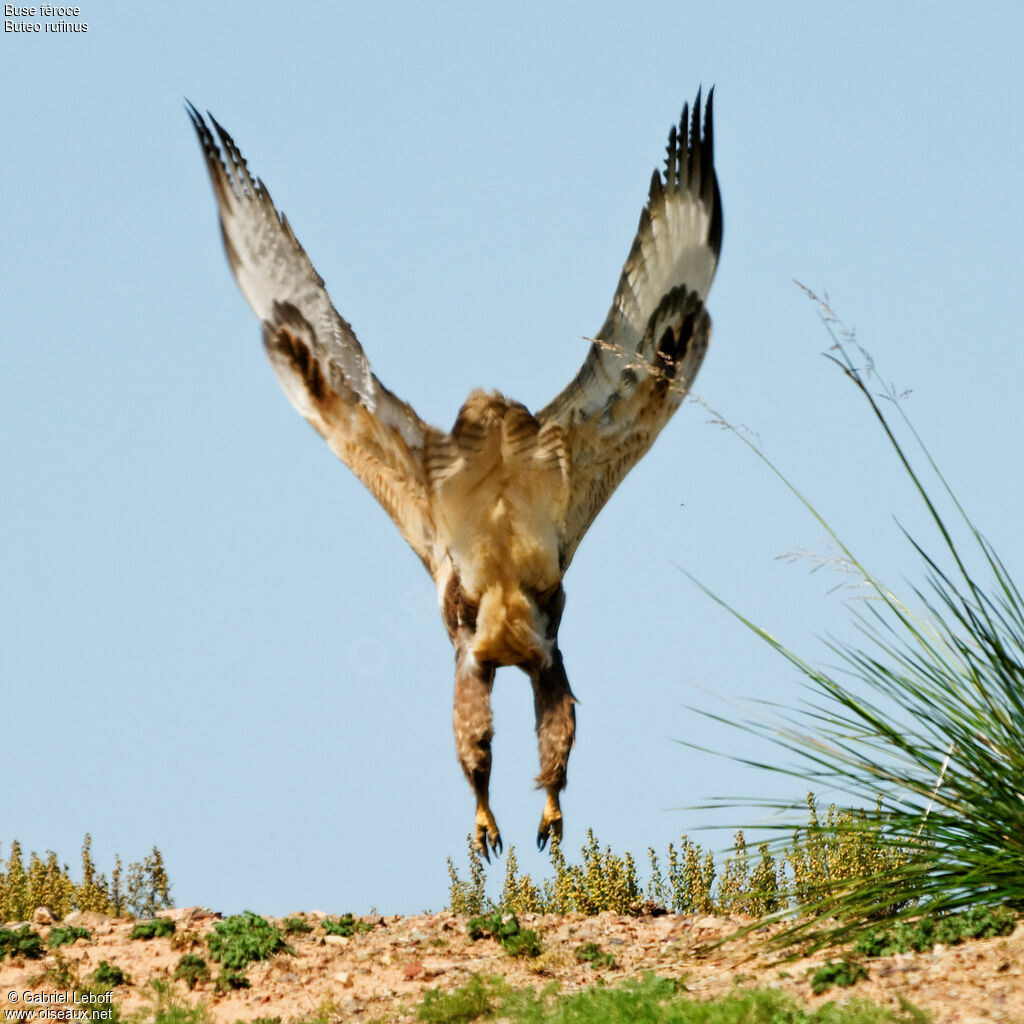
{"x": 297, "y": 926}
{"x": 504, "y": 926}
{"x": 844, "y": 973}
{"x": 192, "y": 970}
{"x": 346, "y": 925}
{"x": 158, "y": 928}
{"x": 66, "y": 935}
{"x": 947, "y": 929}
{"x": 590, "y": 953}
{"x": 244, "y": 939}
{"x": 107, "y": 975}
{"x": 21, "y": 942}
{"x": 229, "y": 980}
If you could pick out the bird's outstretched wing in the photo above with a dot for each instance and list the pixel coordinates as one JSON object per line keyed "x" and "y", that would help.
{"x": 647, "y": 353}
{"x": 314, "y": 352}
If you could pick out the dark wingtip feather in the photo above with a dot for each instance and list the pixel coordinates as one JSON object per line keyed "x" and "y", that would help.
{"x": 709, "y": 179}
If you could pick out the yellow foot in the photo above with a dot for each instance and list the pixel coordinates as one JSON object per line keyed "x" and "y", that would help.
{"x": 486, "y": 832}
{"x": 550, "y": 822}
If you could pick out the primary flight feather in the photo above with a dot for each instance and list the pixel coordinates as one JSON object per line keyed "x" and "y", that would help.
{"x": 496, "y": 507}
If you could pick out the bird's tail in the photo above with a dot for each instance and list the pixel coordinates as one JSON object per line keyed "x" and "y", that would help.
{"x": 506, "y": 632}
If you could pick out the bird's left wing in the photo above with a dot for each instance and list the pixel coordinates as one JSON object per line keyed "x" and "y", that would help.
{"x": 647, "y": 353}
{"x": 314, "y": 352}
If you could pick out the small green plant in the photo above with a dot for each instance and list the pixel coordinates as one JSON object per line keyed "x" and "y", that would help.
{"x": 229, "y": 980}
{"x": 192, "y": 970}
{"x": 65, "y": 936}
{"x": 590, "y": 953}
{"x": 296, "y": 926}
{"x": 843, "y": 973}
{"x": 467, "y": 897}
{"x": 21, "y": 942}
{"x": 504, "y": 926}
{"x": 244, "y": 939}
{"x": 346, "y": 925}
{"x": 166, "y": 1006}
{"x": 108, "y": 975}
{"x": 157, "y": 928}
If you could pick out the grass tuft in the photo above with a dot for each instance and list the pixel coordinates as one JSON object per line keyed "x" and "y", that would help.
{"x": 650, "y": 1000}
{"x": 923, "y": 717}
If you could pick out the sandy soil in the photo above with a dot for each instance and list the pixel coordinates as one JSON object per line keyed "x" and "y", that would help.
{"x": 384, "y": 972}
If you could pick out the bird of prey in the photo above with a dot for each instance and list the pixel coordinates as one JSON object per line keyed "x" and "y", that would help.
{"x": 496, "y": 506}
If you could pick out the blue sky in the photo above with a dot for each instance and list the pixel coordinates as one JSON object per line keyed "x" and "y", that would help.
{"x": 212, "y": 639}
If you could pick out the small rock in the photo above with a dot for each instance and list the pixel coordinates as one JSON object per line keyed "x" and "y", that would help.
{"x": 44, "y": 916}
{"x": 337, "y": 940}
{"x": 343, "y": 978}
{"x": 87, "y": 919}
{"x": 412, "y": 970}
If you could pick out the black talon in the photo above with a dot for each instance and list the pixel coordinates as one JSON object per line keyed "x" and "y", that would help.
{"x": 496, "y": 843}
{"x": 542, "y": 841}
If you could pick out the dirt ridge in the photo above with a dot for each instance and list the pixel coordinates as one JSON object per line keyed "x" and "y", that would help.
{"x": 384, "y": 971}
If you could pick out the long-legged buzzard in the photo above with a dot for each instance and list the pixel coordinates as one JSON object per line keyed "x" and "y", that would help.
{"x": 495, "y": 507}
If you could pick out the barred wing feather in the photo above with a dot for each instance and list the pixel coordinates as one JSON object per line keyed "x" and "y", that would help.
{"x": 651, "y": 345}
{"x": 313, "y": 350}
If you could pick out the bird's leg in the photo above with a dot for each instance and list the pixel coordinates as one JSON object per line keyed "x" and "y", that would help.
{"x": 556, "y": 731}
{"x": 474, "y": 730}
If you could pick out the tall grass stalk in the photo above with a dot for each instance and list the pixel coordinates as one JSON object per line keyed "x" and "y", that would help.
{"x": 924, "y": 718}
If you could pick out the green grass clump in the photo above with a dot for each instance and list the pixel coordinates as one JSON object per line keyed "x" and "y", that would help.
{"x": 478, "y": 999}
{"x": 157, "y": 928}
{"x": 21, "y": 942}
{"x": 651, "y": 1000}
{"x": 591, "y": 953}
{"x": 346, "y": 925}
{"x": 296, "y": 926}
{"x": 244, "y": 939}
{"x": 504, "y": 926}
{"x": 844, "y": 973}
{"x": 108, "y": 976}
{"x": 925, "y": 709}
{"x": 192, "y": 970}
{"x": 66, "y": 935}
{"x": 165, "y": 1006}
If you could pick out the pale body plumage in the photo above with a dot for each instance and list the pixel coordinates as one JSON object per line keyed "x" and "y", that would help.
{"x": 496, "y": 507}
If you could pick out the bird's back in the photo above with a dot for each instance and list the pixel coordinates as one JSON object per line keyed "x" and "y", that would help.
{"x": 500, "y": 487}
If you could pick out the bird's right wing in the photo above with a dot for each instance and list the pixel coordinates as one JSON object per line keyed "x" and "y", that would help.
{"x": 314, "y": 352}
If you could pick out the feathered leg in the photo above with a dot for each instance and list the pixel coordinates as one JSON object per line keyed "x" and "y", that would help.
{"x": 474, "y": 730}
{"x": 556, "y": 731}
